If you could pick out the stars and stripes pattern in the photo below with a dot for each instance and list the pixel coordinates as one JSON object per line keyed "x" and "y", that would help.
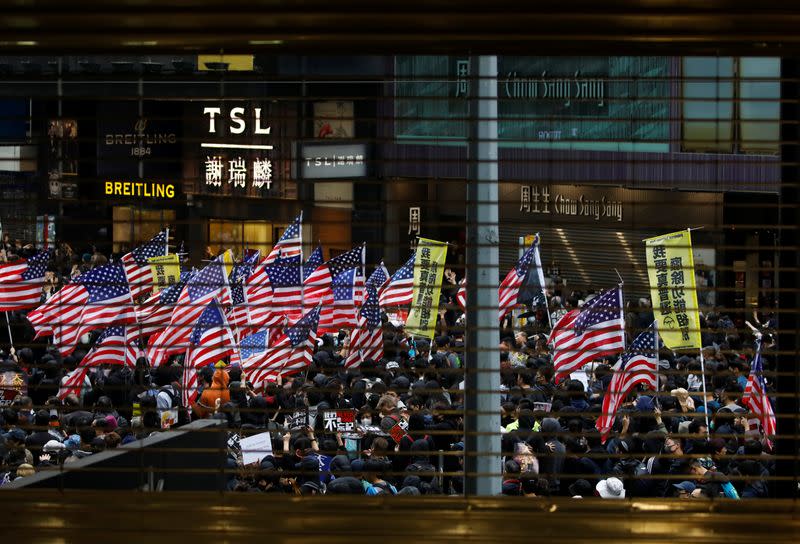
{"x": 379, "y": 277}
{"x": 211, "y": 339}
{"x": 286, "y": 296}
{"x": 21, "y": 282}
{"x": 524, "y": 284}
{"x": 290, "y": 351}
{"x": 137, "y": 267}
{"x": 366, "y": 341}
{"x": 638, "y": 364}
{"x": 314, "y": 261}
{"x": 756, "y": 399}
{"x": 290, "y": 243}
{"x": 348, "y": 294}
{"x": 98, "y": 298}
{"x": 582, "y": 336}
{"x": 239, "y": 312}
{"x": 154, "y": 314}
{"x": 112, "y": 347}
{"x": 400, "y": 289}
{"x": 189, "y": 385}
{"x": 208, "y": 284}
{"x": 252, "y": 349}
{"x": 317, "y": 287}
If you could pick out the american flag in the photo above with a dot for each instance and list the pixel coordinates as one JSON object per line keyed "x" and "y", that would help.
{"x": 524, "y": 284}
{"x": 461, "y": 296}
{"x": 366, "y": 341}
{"x": 211, "y": 339}
{"x": 379, "y": 277}
{"x": 314, "y": 261}
{"x": 290, "y": 243}
{"x": 400, "y": 289}
{"x": 21, "y": 282}
{"x": 155, "y": 313}
{"x": 112, "y": 347}
{"x": 348, "y": 294}
{"x": 638, "y": 364}
{"x": 98, "y": 298}
{"x": 286, "y": 292}
{"x": 290, "y": 351}
{"x": 581, "y": 336}
{"x": 317, "y": 287}
{"x": 252, "y": 349}
{"x": 137, "y": 267}
{"x": 210, "y": 283}
{"x": 188, "y": 385}
{"x": 756, "y": 399}
{"x": 239, "y": 312}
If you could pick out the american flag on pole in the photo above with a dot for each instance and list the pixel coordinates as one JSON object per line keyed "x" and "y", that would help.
{"x": 285, "y": 302}
{"x": 348, "y": 294}
{"x": 582, "y": 336}
{"x": 188, "y": 385}
{"x": 211, "y": 339}
{"x": 400, "y": 289}
{"x": 137, "y": 267}
{"x": 98, "y": 298}
{"x": 290, "y": 352}
{"x": 239, "y": 312}
{"x": 524, "y": 284}
{"x": 317, "y": 287}
{"x": 314, "y": 261}
{"x": 210, "y": 283}
{"x": 111, "y": 348}
{"x": 290, "y": 243}
{"x": 638, "y": 364}
{"x": 366, "y": 341}
{"x": 253, "y": 348}
{"x": 379, "y": 277}
{"x": 154, "y": 314}
{"x": 756, "y": 399}
{"x": 21, "y": 282}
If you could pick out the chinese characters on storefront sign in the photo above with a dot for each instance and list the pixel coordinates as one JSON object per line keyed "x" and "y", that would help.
{"x": 535, "y": 199}
{"x": 235, "y": 172}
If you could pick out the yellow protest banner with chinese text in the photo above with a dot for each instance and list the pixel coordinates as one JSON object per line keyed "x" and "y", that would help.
{"x": 166, "y": 271}
{"x": 670, "y": 269}
{"x": 428, "y": 271}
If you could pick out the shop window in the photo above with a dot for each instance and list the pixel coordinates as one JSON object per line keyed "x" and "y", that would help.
{"x": 239, "y": 236}
{"x": 731, "y": 105}
{"x": 134, "y": 226}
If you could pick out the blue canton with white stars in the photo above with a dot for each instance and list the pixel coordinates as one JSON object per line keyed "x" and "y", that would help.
{"x": 170, "y": 294}
{"x": 406, "y": 271}
{"x": 642, "y": 346}
{"x": 109, "y": 333}
{"x": 154, "y": 248}
{"x": 37, "y": 265}
{"x": 602, "y": 308}
{"x": 300, "y": 331}
{"x": 371, "y": 310}
{"x": 525, "y": 261}
{"x": 208, "y": 280}
{"x": 240, "y": 273}
{"x": 291, "y": 232}
{"x": 211, "y": 318}
{"x": 285, "y": 272}
{"x": 253, "y": 344}
{"x": 378, "y": 277}
{"x": 105, "y": 282}
{"x": 314, "y": 261}
{"x": 343, "y": 285}
{"x": 345, "y": 261}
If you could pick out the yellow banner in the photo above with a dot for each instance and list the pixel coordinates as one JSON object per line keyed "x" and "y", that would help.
{"x": 166, "y": 271}
{"x": 670, "y": 268}
{"x": 428, "y": 270}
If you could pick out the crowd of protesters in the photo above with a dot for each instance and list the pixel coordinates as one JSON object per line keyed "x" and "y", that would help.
{"x": 663, "y": 444}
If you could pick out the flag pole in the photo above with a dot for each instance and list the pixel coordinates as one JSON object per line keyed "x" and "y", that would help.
{"x": 10, "y": 338}
{"x": 166, "y": 243}
{"x": 705, "y": 399}
{"x": 658, "y": 367}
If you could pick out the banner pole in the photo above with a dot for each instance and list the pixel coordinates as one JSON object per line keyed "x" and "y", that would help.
{"x": 166, "y": 243}
{"x": 10, "y": 337}
{"x": 705, "y": 400}
{"x": 658, "y": 367}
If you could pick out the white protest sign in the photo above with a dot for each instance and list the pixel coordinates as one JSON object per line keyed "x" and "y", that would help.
{"x": 255, "y": 448}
